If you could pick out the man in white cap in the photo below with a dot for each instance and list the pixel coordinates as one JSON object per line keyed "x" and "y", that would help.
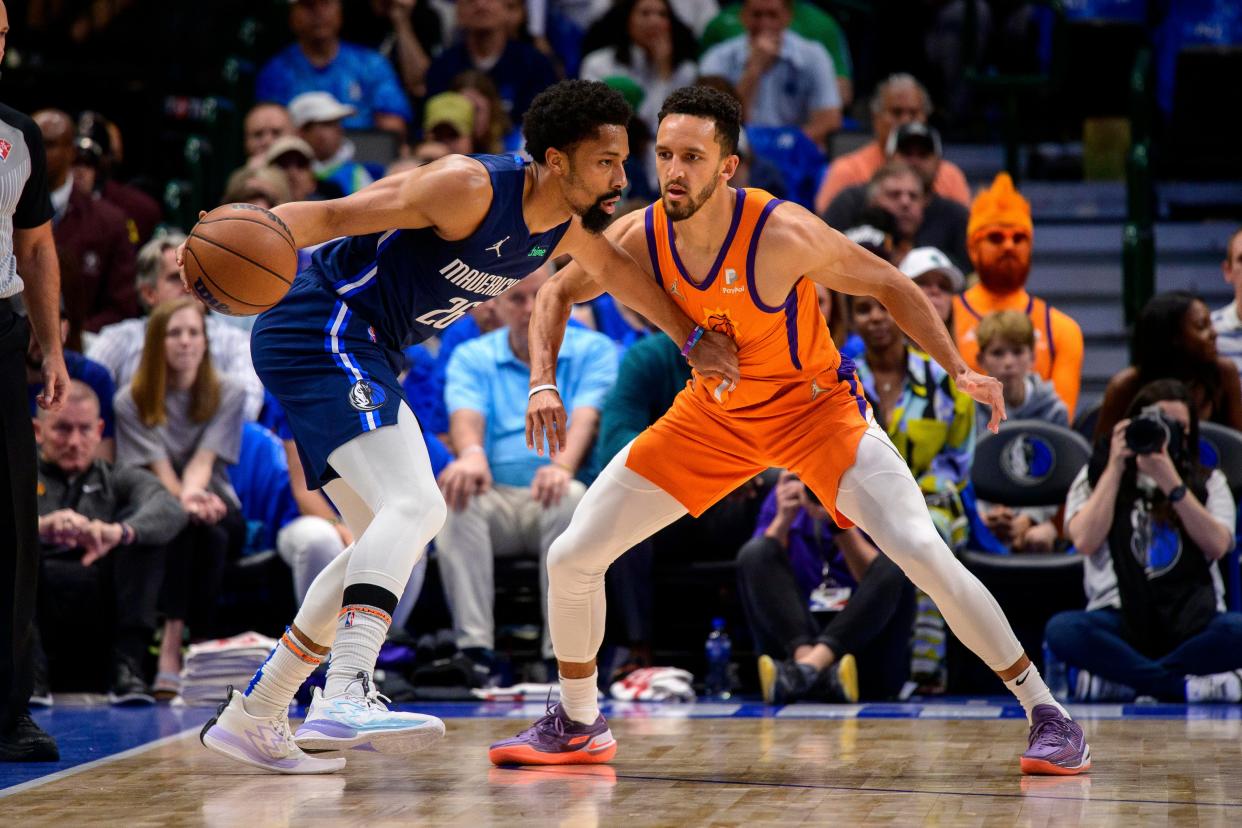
{"x": 317, "y": 116}
{"x": 294, "y": 157}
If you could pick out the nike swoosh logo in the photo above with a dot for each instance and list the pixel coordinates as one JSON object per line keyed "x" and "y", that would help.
{"x": 1024, "y": 675}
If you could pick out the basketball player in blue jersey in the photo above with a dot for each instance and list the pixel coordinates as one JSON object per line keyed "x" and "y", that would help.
{"x": 412, "y": 254}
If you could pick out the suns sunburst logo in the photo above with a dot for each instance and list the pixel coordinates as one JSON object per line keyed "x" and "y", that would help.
{"x": 720, "y": 321}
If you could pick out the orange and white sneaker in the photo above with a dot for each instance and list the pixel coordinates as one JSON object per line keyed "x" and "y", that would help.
{"x": 556, "y": 739}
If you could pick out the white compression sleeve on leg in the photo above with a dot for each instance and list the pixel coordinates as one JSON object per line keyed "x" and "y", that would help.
{"x": 880, "y": 495}
{"x": 391, "y": 473}
{"x": 620, "y": 509}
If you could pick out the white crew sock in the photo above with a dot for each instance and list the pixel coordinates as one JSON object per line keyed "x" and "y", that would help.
{"x": 579, "y": 698}
{"x": 1030, "y": 689}
{"x": 274, "y": 685}
{"x": 360, "y": 633}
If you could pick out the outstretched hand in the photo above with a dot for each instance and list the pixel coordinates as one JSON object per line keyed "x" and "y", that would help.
{"x": 987, "y": 390}
{"x": 546, "y": 423}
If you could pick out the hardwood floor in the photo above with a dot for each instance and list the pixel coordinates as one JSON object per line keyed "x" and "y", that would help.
{"x": 681, "y": 771}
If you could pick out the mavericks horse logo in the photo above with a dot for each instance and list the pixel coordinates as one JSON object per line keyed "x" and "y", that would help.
{"x": 366, "y": 397}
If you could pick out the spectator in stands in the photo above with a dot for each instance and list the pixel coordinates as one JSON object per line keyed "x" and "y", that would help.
{"x": 1226, "y": 320}
{"x": 448, "y": 118}
{"x": 518, "y": 69}
{"x": 649, "y": 45}
{"x": 999, "y": 239}
{"x": 930, "y": 421}
{"x": 900, "y": 99}
{"x": 836, "y": 312}
{"x": 265, "y": 187}
{"x": 82, "y": 369}
{"x": 406, "y": 32}
{"x": 808, "y": 20}
{"x": 102, "y": 531}
{"x": 1150, "y": 527}
{"x": 320, "y": 62}
{"x": 503, "y": 498}
{"x": 92, "y": 230}
{"x": 95, "y": 171}
{"x": 1174, "y": 339}
{"x": 319, "y": 119}
{"x": 263, "y": 126}
{"x": 797, "y": 564}
{"x": 119, "y": 347}
{"x": 182, "y": 421}
{"x": 923, "y": 219}
{"x": 782, "y": 78}
{"x": 294, "y": 157}
{"x": 939, "y": 278}
{"x": 421, "y": 154}
{"x": 1007, "y": 352}
{"x": 493, "y": 131}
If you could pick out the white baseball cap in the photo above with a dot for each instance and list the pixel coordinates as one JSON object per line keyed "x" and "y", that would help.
{"x": 923, "y": 260}
{"x": 317, "y": 108}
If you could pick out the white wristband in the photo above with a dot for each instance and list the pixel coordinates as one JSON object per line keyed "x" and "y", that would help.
{"x": 476, "y": 448}
{"x": 539, "y": 388}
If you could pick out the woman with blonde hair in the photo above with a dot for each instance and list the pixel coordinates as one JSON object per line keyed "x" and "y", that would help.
{"x": 183, "y": 422}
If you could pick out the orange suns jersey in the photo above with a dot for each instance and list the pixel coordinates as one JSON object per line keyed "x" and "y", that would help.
{"x": 782, "y": 349}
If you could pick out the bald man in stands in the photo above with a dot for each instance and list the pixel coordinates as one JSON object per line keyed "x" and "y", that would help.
{"x": 900, "y": 99}
{"x": 999, "y": 237}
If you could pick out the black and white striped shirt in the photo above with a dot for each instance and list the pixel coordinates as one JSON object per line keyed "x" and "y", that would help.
{"x": 24, "y": 200}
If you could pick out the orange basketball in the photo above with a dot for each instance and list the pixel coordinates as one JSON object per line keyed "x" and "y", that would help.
{"x": 240, "y": 259}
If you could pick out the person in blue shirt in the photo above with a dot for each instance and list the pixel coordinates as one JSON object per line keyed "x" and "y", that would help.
{"x": 399, "y": 261}
{"x": 519, "y": 70}
{"x": 503, "y": 498}
{"x": 320, "y": 62}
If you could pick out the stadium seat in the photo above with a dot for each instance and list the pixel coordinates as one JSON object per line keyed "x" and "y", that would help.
{"x": 1085, "y": 420}
{"x": 1028, "y": 463}
{"x": 797, "y": 157}
{"x": 1221, "y": 447}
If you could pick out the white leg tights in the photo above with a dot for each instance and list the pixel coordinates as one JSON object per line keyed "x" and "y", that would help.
{"x": 620, "y": 509}
{"x": 880, "y": 495}
{"x": 390, "y": 501}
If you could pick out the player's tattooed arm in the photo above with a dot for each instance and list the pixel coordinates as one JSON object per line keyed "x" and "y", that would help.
{"x": 798, "y": 242}
{"x": 452, "y": 195}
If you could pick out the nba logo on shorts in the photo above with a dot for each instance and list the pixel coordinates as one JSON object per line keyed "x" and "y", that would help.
{"x": 366, "y": 397}
{"x": 371, "y": 332}
{"x": 5, "y": 146}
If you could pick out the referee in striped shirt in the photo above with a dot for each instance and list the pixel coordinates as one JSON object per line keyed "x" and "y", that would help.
{"x": 28, "y": 267}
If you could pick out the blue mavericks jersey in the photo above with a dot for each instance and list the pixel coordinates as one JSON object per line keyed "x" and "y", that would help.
{"x": 412, "y": 284}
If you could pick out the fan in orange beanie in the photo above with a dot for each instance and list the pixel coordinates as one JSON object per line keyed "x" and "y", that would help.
{"x": 998, "y": 238}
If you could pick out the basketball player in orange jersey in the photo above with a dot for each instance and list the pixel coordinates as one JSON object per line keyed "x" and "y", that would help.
{"x": 745, "y": 263}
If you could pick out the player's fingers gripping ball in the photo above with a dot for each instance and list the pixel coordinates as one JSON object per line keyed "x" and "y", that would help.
{"x": 240, "y": 259}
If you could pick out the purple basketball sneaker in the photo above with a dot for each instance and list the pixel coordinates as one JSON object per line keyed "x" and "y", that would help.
{"x": 1057, "y": 744}
{"x": 557, "y": 739}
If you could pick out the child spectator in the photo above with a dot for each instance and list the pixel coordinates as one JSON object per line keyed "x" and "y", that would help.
{"x": 1007, "y": 352}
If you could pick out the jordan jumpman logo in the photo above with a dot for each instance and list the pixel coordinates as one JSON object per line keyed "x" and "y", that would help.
{"x": 496, "y": 247}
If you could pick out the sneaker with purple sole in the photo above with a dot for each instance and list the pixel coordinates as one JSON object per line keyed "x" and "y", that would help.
{"x": 556, "y": 739}
{"x": 1057, "y": 745}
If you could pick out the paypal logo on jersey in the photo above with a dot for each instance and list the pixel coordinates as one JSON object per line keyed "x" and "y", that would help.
{"x": 366, "y": 396}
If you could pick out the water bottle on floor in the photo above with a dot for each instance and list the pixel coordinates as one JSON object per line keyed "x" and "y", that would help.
{"x": 719, "y": 650}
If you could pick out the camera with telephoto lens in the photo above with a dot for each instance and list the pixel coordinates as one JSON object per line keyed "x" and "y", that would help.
{"x": 1151, "y": 430}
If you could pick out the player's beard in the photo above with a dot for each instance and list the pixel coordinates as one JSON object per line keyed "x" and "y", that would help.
{"x": 691, "y": 204}
{"x": 595, "y": 218}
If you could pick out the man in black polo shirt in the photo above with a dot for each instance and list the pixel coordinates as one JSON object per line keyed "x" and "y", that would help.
{"x": 27, "y": 262}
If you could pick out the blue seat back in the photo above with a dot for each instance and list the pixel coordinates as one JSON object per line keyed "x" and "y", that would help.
{"x": 1029, "y": 463}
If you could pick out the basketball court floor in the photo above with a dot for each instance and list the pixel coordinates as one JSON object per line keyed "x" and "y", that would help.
{"x": 947, "y": 763}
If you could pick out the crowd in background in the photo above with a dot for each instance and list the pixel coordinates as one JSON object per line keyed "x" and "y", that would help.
{"x": 170, "y": 466}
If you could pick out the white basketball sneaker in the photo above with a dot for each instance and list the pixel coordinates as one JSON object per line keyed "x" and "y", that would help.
{"x": 263, "y": 741}
{"x": 358, "y": 717}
